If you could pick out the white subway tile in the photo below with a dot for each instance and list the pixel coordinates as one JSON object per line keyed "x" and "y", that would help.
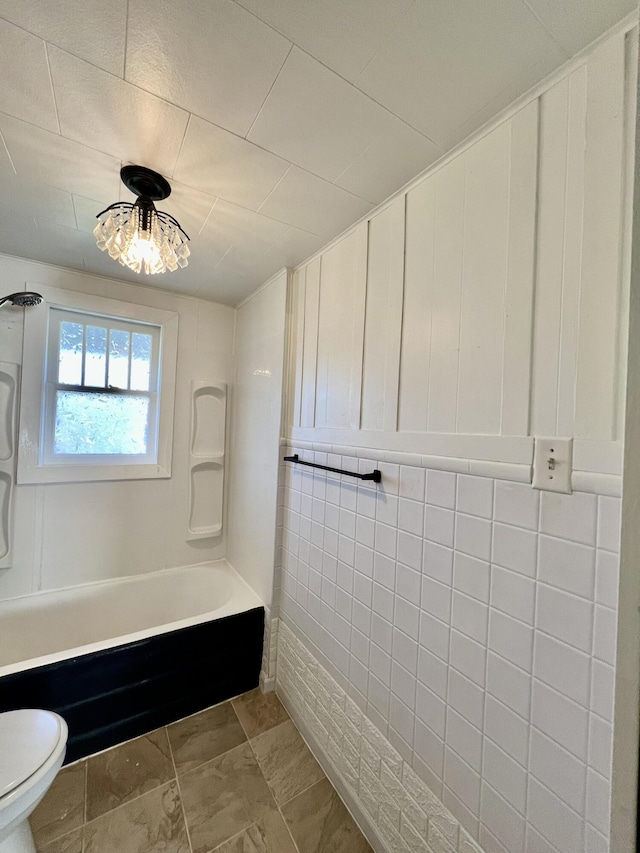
{"x": 432, "y": 672}
{"x": 602, "y": 689}
{"x": 560, "y": 718}
{"x": 562, "y": 667}
{"x": 475, "y": 495}
{"x": 459, "y": 811}
{"x": 407, "y": 618}
{"x": 490, "y": 843}
{"x": 465, "y": 739}
{"x": 390, "y": 476}
{"x": 569, "y": 516}
{"x": 439, "y": 525}
{"x": 468, "y": 657}
{"x": 387, "y": 509}
{"x": 470, "y": 617}
{"x": 384, "y": 570}
{"x": 441, "y": 489}
{"x": 409, "y": 549}
{"x": 463, "y": 780}
{"x": 412, "y": 482}
{"x": 594, "y": 841}
{"x": 598, "y": 801}
{"x": 473, "y": 536}
{"x": 516, "y": 504}
{"x": 408, "y": 583}
{"x": 466, "y": 698}
{"x": 364, "y": 560}
{"x": 535, "y": 843}
{"x": 430, "y": 748}
{"x": 513, "y": 593}
{"x": 431, "y": 709}
{"x": 600, "y": 745}
{"x": 609, "y": 523}
{"x": 565, "y": 617}
{"x": 506, "y": 729}
{"x": 436, "y": 599}
{"x": 553, "y": 819}
{"x": 607, "y": 569}
{"x": 402, "y": 719}
{"x": 365, "y": 531}
{"x": 604, "y": 636}
{"x": 567, "y": 565}
{"x": 556, "y": 768}
{"x": 411, "y": 516}
{"x": 381, "y": 632}
{"x": 515, "y": 548}
{"x": 434, "y": 635}
{"x": 502, "y": 820}
{"x": 437, "y": 562}
{"x": 471, "y": 576}
{"x": 405, "y": 651}
{"x": 509, "y": 684}
{"x": 380, "y": 664}
{"x": 378, "y": 696}
{"x": 386, "y": 540}
{"x": 511, "y": 639}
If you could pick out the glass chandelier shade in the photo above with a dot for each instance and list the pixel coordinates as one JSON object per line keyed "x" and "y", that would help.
{"x": 138, "y": 236}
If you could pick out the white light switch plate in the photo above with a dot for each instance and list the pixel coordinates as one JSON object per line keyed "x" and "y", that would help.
{"x": 552, "y": 464}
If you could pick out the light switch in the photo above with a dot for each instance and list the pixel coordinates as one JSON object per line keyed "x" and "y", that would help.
{"x": 552, "y": 463}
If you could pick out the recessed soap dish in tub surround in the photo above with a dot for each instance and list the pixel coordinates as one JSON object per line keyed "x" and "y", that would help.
{"x": 206, "y": 458}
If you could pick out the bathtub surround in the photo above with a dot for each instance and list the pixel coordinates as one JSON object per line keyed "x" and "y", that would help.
{"x": 233, "y": 778}
{"x": 63, "y": 534}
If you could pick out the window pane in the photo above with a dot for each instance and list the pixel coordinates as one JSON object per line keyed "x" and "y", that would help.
{"x": 100, "y": 423}
{"x": 95, "y": 367}
{"x": 119, "y": 359}
{"x": 70, "y": 355}
{"x": 141, "y": 362}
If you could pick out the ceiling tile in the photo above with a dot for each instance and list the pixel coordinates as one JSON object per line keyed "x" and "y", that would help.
{"x": 190, "y": 207}
{"x": 26, "y": 85}
{"x": 342, "y": 35}
{"x": 446, "y": 60}
{"x": 237, "y": 226}
{"x": 209, "y": 56}
{"x": 316, "y": 119}
{"x": 86, "y": 210}
{"x": 91, "y": 29}
{"x": 576, "y": 23}
{"x": 308, "y": 202}
{"x": 106, "y": 113}
{"x": 42, "y": 202}
{"x": 238, "y": 275}
{"x": 220, "y": 163}
{"x": 380, "y": 170}
{"x": 295, "y": 246}
{"x": 51, "y": 159}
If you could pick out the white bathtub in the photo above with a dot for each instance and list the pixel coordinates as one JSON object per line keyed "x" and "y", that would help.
{"x": 47, "y": 627}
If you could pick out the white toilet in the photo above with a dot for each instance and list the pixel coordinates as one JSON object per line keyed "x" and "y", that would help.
{"x": 32, "y": 748}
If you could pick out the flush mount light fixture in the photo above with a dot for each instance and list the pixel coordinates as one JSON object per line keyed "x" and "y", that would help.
{"x": 137, "y": 235}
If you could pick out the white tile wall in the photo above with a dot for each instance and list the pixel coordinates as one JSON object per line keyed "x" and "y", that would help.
{"x": 469, "y": 627}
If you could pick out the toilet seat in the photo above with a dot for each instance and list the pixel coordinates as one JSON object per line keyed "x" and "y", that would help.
{"x": 28, "y": 738}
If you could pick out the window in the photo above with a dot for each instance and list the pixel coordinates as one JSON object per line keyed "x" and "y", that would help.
{"x": 101, "y": 399}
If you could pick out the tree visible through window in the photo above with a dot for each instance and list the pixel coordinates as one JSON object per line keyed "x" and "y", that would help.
{"x": 102, "y": 388}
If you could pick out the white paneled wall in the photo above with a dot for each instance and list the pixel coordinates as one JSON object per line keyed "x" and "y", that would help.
{"x": 487, "y": 301}
{"x": 470, "y": 619}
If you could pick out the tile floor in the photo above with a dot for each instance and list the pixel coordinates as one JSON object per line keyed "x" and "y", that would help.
{"x": 236, "y": 778}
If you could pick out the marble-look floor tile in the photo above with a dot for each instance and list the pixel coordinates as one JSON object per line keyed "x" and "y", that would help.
{"x": 269, "y": 835}
{"x": 151, "y": 823}
{"x": 62, "y": 807}
{"x": 286, "y": 762}
{"x": 69, "y": 843}
{"x": 224, "y": 797}
{"x": 258, "y": 711}
{"x": 205, "y": 736}
{"x": 320, "y": 823}
{"x": 123, "y": 773}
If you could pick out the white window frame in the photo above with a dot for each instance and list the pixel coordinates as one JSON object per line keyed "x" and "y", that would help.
{"x": 34, "y": 464}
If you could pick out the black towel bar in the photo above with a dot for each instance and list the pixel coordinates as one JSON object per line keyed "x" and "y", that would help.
{"x": 376, "y": 475}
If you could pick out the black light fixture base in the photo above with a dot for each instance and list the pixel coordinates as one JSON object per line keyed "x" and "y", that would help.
{"x": 145, "y": 183}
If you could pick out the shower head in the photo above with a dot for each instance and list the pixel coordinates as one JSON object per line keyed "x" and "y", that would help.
{"x": 25, "y": 299}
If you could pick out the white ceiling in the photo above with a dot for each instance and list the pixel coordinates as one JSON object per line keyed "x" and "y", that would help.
{"x": 278, "y": 122}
